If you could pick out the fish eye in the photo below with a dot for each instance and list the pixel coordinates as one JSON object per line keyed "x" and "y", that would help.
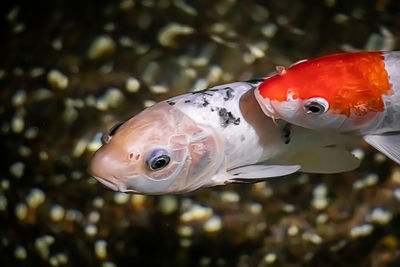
{"x": 114, "y": 129}
{"x": 106, "y": 138}
{"x": 316, "y": 105}
{"x": 158, "y": 159}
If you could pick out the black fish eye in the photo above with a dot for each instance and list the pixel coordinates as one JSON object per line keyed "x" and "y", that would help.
{"x": 158, "y": 159}
{"x": 114, "y": 129}
{"x": 316, "y": 105}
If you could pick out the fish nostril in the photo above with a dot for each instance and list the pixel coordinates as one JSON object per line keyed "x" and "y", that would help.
{"x": 134, "y": 156}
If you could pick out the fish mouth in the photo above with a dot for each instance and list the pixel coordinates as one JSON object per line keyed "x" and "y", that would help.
{"x": 112, "y": 184}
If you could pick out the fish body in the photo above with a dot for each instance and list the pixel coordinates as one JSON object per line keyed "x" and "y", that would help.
{"x": 350, "y": 93}
{"x": 212, "y": 137}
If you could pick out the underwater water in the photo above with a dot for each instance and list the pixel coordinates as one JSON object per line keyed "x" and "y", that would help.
{"x": 69, "y": 70}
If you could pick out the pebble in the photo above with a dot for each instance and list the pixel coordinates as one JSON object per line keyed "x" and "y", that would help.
{"x": 270, "y": 258}
{"x": 17, "y": 124}
{"x": 80, "y": 148}
{"x": 340, "y": 18}
{"x": 185, "y": 7}
{"x": 101, "y": 46}
{"x": 167, "y": 36}
{"x": 213, "y": 224}
{"x": 319, "y": 203}
{"x": 312, "y": 237}
{"x": 185, "y": 231}
{"x": 42, "y": 245}
{"x": 380, "y": 216}
{"x": 121, "y": 198}
{"x": 95, "y": 143}
{"x": 58, "y": 259}
{"x": 19, "y": 98}
{"x": 57, "y": 79}
{"x": 256, "y": 208}
{"x": 168, "y": 204}
{"x": 5, "y": 184}
{"x": 361, "y": 230}
{"x": 18, "y": 28}
{"x": 148, "y": 103}
{"x": 397, "y": 193}
{"x": 94, "y": 217}
{"x": 73, "y": 215}
{"x": 17, "y": 169}
{"x": 379, "y": 158}
{"x": 100, "y": 249}
{"x": 57, "y": 213}
{"x": 91, "y": 230}
{"x": 185, "y": 243}
{"x": 358, "y": 153}
{"x": 20, "y": 253}
{"x": 108, "y": 264}
{"x": 21, "y": 211}
{"x": 57, "y": 44}
{"x": 230, "y": 197}
{"x": 293, "y": 230}
{"x": 369, "y": 180}
{"x": 158, "y": 89}
{"x": 196, "y": 212}
{"x": 35, "y": 198}
{"x": 126, "y": 4}
{"x": 36, "y": 72}
{"x": 322, "y": 218}
{"x": 112, "y": 98}
{"x": 132, "y": 85}
{"x": 13, "y": 14}
{"x": 98, "y": 202}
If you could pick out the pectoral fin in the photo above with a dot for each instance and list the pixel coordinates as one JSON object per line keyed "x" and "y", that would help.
{"x": 257, "y": 173}
{"x": 388, "y": 144}
{"x": 324, "y": 160}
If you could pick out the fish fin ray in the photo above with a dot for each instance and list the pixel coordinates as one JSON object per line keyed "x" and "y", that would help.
{"x": 325, "y": 160}
{"x": 388, "y": 144}
{"x": 257, "y": 173}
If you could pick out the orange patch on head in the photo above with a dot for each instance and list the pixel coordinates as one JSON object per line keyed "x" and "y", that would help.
{"x": 352, "y": 83}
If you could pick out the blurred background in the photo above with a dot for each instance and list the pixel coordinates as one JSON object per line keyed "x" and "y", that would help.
{"x": 69, "y": 70}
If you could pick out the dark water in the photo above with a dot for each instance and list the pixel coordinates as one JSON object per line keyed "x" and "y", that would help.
{"x": 58, "y": 92}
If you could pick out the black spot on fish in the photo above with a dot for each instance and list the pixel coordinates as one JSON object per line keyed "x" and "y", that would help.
{"x": 205, "y": 102}
{"x": 114, "y": 129}
{"x": 286, "y": 131}
{"x": 227, "y": 118}
{"x": 228, "y": 93}
{"x": 187, "y": 101}
{"x": 255, "y": 81}
{"x": 171, "y": 103}
{"x": 204, "y": 92}
{"x": 242, "y": 138}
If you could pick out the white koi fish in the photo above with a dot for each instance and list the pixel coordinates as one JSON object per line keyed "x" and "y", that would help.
{"x": 350, "y": 93}
{"x": 212, "y": 137}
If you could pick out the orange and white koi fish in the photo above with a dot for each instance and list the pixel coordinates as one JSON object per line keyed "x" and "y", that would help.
{"x": 352, "y": 93}
{"x": 208, "y": 138}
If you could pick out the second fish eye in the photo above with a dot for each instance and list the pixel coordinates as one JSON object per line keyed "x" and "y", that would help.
{"x": 316, "y": 105}
{"x": 114, "y": 129}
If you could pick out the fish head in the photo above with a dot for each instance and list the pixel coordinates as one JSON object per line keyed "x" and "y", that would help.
{"x": 160, "y": 150}
{"x": 313, "y": 112}
{"x": 341, "y": 92}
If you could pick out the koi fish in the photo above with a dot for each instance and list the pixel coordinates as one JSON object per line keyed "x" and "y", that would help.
{"x": 212, "y": 137}
{"x": 350, "y": 93}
